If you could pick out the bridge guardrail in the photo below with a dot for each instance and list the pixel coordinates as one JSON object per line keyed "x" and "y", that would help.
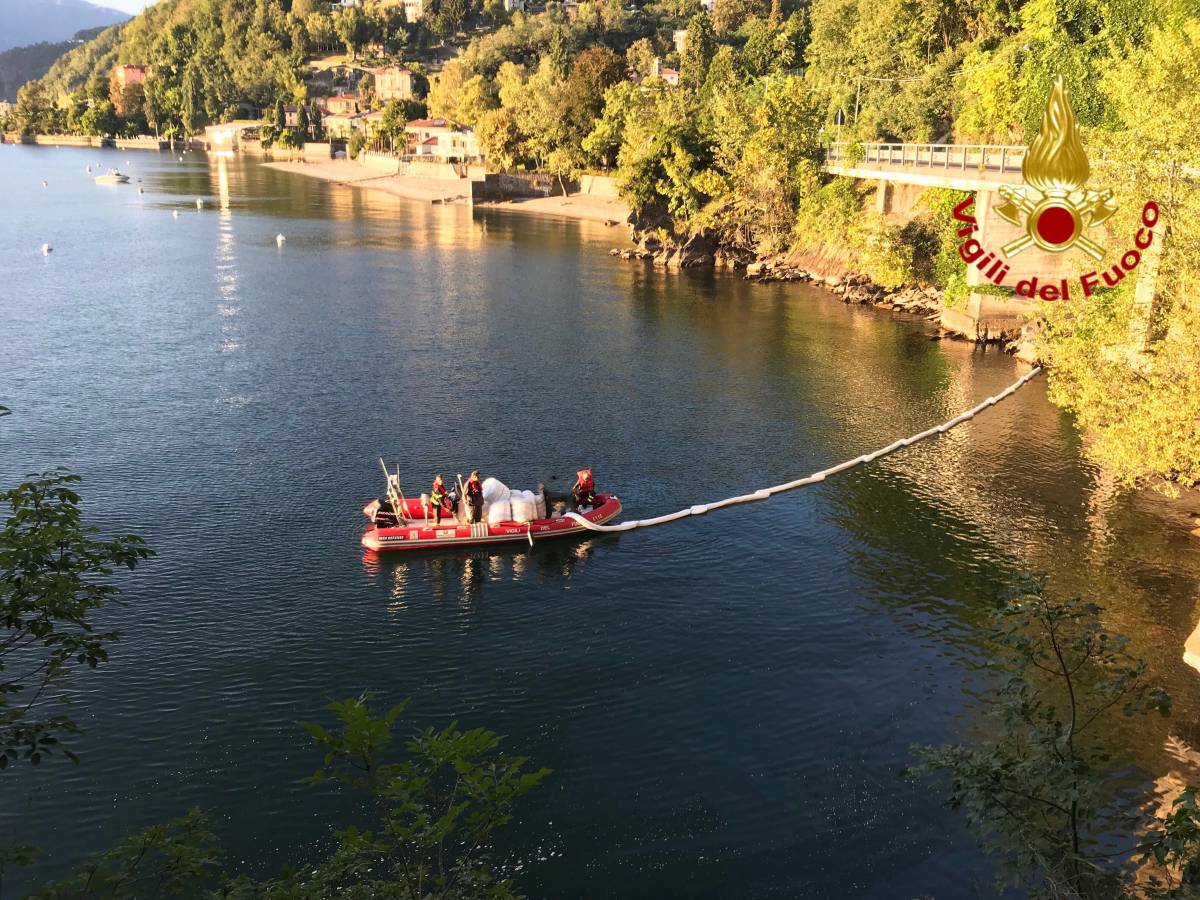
{"x": 964, "y": 157}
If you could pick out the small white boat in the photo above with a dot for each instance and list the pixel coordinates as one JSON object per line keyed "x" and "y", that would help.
{"x": 112, "y": 176}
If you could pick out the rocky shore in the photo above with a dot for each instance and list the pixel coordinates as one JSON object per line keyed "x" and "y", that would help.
{"x": 821, "y": 266}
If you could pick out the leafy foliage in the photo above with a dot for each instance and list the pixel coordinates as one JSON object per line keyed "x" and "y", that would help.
{"x": 440, "y": 808}
{"x": 1042, "y": 792}
{"x": 54, "y": 574}
{"x": 434, "y": 813}
{"x": 1131, "y": 371}
{"x": 179, "y": 860}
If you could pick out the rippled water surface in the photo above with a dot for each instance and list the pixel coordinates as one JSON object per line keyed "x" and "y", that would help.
{"x": 727, "y": 703}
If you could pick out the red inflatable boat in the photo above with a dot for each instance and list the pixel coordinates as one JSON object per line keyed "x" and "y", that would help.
{"x": 416, "y": 532}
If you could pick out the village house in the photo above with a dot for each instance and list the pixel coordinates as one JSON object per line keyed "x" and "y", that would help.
{"x": 680, "y": 39}
{"x": 414, "y": 9}
{"x": 393, "y": 83}
{"x": 667, "y": 74}
{"x": 514, "y": 5}
{"x": 339, "y": 126}
{"x": 441, "y": 139}
{"x": 571, "y": 10}
{"x": 341, "y": 105}
{"x": 370, "y": 123}
{"x": 127, "y": 75}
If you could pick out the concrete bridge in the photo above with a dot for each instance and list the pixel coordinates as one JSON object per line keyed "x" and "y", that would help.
{"x": 902, "y": 172}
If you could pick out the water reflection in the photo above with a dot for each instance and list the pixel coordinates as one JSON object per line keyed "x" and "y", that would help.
{"x": 227, "y": 264}
{"x": 463, "y": 576}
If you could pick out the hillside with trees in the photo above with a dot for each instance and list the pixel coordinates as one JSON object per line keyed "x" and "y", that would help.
{"x": 21, "y": 64}
{"x": 51, "y": 21}
{"x": 715, "y": 124}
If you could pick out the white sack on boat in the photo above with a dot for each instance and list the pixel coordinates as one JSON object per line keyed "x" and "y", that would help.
{"x": 523, "y": 508}
{"x": 494, "y": 490}
{"x": 500, "y": 511}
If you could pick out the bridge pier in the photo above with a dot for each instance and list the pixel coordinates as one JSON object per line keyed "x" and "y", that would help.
{"x": 990, "y": 312}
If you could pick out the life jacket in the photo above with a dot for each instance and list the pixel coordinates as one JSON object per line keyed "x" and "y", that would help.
{"x": 474, "y": 489}
{"x": 584, "y": 483}
{"x": 437, "y": 495}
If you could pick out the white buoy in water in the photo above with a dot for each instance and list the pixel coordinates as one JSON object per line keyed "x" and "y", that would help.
{"x": 89, "y": 170}
{"x": 199, "y": 203}
{"x": 279, "y": 239}
{"x": 47, "y": 249}
{"x": 45, "y": 183}
{"x": 181, "y": 159}
{"x": 174, "y": 214}
{"x": 141, "y": 190}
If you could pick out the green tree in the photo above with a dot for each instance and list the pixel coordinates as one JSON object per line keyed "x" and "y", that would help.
{"x": 54, "y": 575}
{"x": 451, "y": 17}
{"x": 499, "y": 138}
{"x": 441, "y": 804}
{"x": 663, "y": 155}
{"x": 177, "y": 860}
{"x": 604, "y": 141}
{"x": 1044, "y": 794}
{"x": 596, "y": 69}
{"x": 1130, "y": 369}
{"x": 435, "y": 809}
{"x": 34, "y": 111}
{"x": 698, "y": 51}
{"x": 729, "y": 15}
{"x": 280, "y": 121}
{"x": 321, "y": 31}
{"x": 640, "y": 56}
{"x": 191, "y": 107}
{"x": 99, "y": 119}
{"x": 352, "y": 29}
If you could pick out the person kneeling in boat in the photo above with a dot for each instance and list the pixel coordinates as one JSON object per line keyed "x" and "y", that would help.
{"x": 473, "y": 495}
{"x": 439, "y": 500}
{"x": 584, "y": 491}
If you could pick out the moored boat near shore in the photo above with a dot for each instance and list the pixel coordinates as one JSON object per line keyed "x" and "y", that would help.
{"x": 112, "y": 176}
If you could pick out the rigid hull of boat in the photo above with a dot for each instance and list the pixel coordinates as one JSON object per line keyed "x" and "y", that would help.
{"x": 420, "y": 535}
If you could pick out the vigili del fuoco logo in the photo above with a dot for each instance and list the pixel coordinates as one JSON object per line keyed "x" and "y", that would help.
{"x": 1055, "y": 209}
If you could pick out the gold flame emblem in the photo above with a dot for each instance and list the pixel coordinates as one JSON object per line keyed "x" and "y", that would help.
{"x": 1054, "y": 206}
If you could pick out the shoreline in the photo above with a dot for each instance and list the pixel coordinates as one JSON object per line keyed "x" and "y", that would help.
{"x": 580, "y": 207}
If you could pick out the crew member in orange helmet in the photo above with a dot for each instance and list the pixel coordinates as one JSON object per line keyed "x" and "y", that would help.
{"x": 584, "y": 490}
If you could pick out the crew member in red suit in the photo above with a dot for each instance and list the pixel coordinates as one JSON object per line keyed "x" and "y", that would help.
{"x": 473, "y": 490}
{"x": 439, "y": 500}
{"x": 584, "y": 490}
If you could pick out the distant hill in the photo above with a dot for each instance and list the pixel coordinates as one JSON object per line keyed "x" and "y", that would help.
{"x": 34, "y": 21}
{"x": 21, "y": 64}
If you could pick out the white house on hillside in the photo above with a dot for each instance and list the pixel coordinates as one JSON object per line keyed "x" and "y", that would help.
{"x": 441, "y": 139}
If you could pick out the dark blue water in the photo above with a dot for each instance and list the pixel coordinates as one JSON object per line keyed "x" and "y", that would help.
{"x": 727, "y": 703}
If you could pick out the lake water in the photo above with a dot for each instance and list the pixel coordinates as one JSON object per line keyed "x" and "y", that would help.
{"x": 727, "y": 703}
